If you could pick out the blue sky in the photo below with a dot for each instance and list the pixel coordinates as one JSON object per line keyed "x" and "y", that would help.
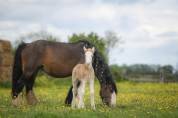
{"x": 149, "y": 28}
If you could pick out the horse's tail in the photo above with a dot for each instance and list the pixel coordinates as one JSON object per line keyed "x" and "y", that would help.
{"x": 17, "y": 67}
{"x": 69, "y": 97}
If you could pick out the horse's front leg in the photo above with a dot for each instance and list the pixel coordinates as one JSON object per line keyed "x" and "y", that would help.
{"x": 92, "y": 93}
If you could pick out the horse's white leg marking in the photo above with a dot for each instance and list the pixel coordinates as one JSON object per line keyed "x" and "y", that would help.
{"x": 73, "y": 99}
{"x": 81, "y": 91}
{"x": 92, "y": 93}
{"x": 113, "y": 99}
{"x": 16, "y": 101}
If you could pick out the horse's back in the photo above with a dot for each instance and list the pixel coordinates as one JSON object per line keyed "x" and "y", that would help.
{"x": 56, "y": 58}
{"x": 32, "y": 54}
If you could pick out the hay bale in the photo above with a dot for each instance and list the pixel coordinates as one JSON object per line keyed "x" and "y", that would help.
{"x": 5, "y": 46}
{"x": 6, "y": 59}
{"x": 5, "y": 73}
{"x": 1, "y": 48}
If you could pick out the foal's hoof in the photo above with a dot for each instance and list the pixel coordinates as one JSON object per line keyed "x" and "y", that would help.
{"x": 31, "y": 99}
{"x": 93, "y": 107}
{"x": 112, "y": 105}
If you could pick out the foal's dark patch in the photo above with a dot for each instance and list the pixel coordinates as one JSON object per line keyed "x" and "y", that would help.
{"x": 78, "y": 83}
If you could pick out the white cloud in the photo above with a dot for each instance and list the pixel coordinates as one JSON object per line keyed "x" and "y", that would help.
{"x": 143, "y": 25}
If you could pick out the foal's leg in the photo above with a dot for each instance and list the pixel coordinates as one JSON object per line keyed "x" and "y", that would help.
{"x": 74, "y": 92}
{"x": 81, "y": 91}
{"x": 91, "y": 82}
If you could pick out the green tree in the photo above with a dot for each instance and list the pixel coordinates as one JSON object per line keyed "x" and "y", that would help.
{"x": 176, "y": 75}
{"x": 111, "y": 39}
{"x": 92, "y": 38}
{"x": 118, "y": 72}
{"x": 103, "y": 44}
{"x": 166, "y": 73}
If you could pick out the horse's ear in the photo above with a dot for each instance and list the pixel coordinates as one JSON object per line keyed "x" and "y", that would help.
{"x": 93, "y": 49}
{"x": 84, "y": 48}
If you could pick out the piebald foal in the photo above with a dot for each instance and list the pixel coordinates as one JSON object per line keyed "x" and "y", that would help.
{"x": 83, "y": 73}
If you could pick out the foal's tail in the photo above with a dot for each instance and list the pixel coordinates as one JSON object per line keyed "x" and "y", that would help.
{"x": 17, "y": 67}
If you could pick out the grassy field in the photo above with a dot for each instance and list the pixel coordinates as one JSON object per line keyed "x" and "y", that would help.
{"x": 142, "y": 100}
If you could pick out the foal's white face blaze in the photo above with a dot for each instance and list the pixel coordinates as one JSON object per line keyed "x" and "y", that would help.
{"x": 89, "y": 55}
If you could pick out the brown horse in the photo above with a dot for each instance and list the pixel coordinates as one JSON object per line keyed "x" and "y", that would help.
{"x": 56, "y": 59}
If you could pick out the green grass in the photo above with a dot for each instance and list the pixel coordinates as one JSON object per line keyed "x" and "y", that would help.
{"x": 142, "y": 100}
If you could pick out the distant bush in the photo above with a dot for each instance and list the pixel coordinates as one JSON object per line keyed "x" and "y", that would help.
{"x": 144, "y": 72}
{"x": 118, "y": 73}
{"x": 5, "y": 84}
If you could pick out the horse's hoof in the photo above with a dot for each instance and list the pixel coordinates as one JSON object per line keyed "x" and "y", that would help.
{"x": 16, "y": 102}
{"x": 31, "y": 99}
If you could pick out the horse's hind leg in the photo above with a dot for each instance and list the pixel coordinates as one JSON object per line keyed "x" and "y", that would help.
{"x": 19, "y": 87}
{"x": 30, "y": 96}
{"x": 20, "y": 83}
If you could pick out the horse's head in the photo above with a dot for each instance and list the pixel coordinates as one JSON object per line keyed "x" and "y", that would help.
{"x": 89, "y": 52}
{"x": 108, "y": 94}
{"x": 108, "y": 89}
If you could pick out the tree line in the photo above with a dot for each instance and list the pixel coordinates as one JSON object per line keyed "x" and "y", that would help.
{"x": 105, "y": 44}
{"x": 147, "y": 72}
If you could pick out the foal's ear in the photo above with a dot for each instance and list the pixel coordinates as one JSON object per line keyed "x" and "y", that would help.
{"x": 84, "y": 48}
{"x": 93, "y": 49}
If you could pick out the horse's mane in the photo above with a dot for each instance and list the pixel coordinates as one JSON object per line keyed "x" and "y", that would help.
{"x": 101, "y": 68}
{"x": 86, "y": 43}
{"x": 102, "y": 71}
